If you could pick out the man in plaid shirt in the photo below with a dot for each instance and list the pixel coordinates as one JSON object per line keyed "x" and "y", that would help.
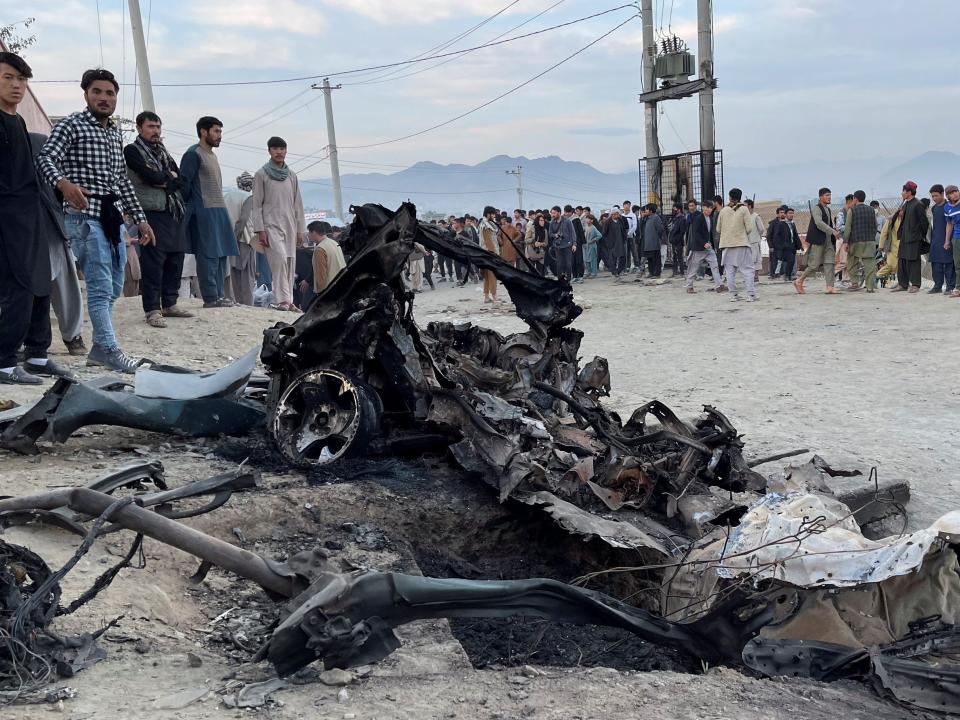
{"x": 83, "y": 160}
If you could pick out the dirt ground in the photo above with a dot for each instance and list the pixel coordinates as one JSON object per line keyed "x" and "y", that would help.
{"x": 853, "y": 377}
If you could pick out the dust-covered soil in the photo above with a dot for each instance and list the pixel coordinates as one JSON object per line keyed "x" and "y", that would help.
{"x": 856, "y": 378}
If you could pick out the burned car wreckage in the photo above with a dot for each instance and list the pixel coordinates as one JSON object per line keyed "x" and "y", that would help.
{"x": 774, "y": 574}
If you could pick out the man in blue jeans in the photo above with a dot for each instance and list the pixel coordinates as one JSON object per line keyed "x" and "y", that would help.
{"x": 83, "y": 160}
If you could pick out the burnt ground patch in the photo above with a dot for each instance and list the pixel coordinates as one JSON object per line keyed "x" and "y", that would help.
{"x": 453, "y": 527}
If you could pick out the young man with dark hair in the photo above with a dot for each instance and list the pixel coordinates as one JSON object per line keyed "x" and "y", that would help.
{"x": 630, "y": 222}
{"x": 779, "y": 239}
{"x": 579, "y": 244}
{"x": 822, "y": 242}
{"x": 700, "y": 244}
{"x": 733, "y": 227}
{"x": 652, "y": 235}
{"x": 24, "y": 251}
{"x": 913, "y": 233}
{"x": 278, "y": 220}
{"x": 678, "y": 235}
{"x": 860, "y": 242}
{"x": 157, "y": 182}
{"x": 563, "y": 240}
{"x": 952, "y": 240}
{"x": 941, "y": 256}
{"x": 328, "y": 258}
{"x": 489, "y": 230}
{"x": 209, "y": 229}
{"x": 83, "y": 159}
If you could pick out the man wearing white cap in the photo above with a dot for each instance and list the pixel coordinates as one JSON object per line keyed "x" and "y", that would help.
{"x": 243, "y": 267}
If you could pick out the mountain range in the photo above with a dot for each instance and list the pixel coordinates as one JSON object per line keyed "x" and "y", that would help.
{"x": 459, "y": 188}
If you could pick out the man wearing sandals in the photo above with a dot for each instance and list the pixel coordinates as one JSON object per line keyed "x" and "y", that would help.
{"x": 208, "y": 224}
{"x": 822, "y": 239}
{"x": 156, "y": 181}
{"x": 278, "y": 220}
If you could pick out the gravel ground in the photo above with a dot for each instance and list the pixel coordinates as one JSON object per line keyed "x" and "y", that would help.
{"x": 849, "y": 377}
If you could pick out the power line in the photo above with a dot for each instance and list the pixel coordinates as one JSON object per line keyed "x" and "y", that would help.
{"x": 378, "y": 67}
{"x": 449, "y": 60}
{"x": 451, "y": 41}
{"x": 496, "y": 99}
{"x": 270, "y": 111}
{"x": 100, "y": 33}
{"x": 407, "y": 191}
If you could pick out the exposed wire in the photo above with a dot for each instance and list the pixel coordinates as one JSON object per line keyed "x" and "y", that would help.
{"x": 444, "y": 45}
{"x": 381, "y": 66}
{"x": 497, "y": 98}
{"x": 449, "y": 60}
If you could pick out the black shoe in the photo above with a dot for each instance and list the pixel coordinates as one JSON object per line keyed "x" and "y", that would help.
{"x": 76, "y": 346}
{"x": 49, "y": 369}
{"x": 934, "y": 291}
{"x": 18, "y": 376}
{"x": 114, "y": 359}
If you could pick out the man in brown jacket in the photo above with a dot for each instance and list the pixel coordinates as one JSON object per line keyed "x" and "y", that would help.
{"x": 733, "y": 228}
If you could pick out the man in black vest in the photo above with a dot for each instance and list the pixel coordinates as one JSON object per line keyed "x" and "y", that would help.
{"x": 24, "y": 251}
{"x": 860, "y": 242}
{"x": 158, "y": 185}
{"x": 822, "y": 239}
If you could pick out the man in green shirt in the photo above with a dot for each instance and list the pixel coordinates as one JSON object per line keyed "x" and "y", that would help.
{"x": 860, "y": 242}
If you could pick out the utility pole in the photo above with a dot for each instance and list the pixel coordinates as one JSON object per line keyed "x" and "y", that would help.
{"x": 707, "y": 129}
{"x": 332, "y": 142}
{"x": 519, "y": 173}
{"x": 650, "y": 108}
{"x": 140, "y": 48}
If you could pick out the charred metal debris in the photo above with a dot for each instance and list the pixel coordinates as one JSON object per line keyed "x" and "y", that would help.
{"x": 772, "y": 574}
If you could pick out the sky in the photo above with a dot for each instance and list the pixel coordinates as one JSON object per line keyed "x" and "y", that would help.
{"x": 798, "y": 80}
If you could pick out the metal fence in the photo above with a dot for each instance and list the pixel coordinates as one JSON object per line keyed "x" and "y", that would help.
{"x": 673, "y": 179}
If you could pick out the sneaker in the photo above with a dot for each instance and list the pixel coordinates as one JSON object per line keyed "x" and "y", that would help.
{"x": 112, "y": 358}
{"x": 76, "y": 346}
{"x": 18, "y": 376}
{"x": 934, "y": 291}
{"x": 49, "y": 369}
{"x": 751, "y": 298}
{"x": 735, "y": 297}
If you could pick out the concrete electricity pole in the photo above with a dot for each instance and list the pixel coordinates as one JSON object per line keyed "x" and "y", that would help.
{"x": 519, "y": 173}
{"x": 140, "y": 48}
{"x": 650, "y": 108}
{"x": 707, "y": 129}
{"x": 332, "y": 142}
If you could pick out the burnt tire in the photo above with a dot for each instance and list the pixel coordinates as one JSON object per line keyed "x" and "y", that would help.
{"x": 322, "y": 416}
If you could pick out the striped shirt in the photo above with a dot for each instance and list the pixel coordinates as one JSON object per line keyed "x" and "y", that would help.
{"x": 90, "y": 155}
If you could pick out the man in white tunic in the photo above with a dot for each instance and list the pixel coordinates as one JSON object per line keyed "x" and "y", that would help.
{"x": 278, "y": 220}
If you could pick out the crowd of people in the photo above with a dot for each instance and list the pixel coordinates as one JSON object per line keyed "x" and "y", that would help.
{"x": 858, "y": 246}
{"x": 132, "y": 216}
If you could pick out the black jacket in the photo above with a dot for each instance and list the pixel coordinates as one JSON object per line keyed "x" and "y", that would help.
{"x": 698, "y": 234}
{"x": 678, "y": 230}
{"x": 779, "y": 236}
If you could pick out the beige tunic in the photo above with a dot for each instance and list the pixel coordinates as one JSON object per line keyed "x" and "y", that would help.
{"x": 278, "y": 209}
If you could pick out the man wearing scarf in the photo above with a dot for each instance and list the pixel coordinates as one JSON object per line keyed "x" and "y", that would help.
{"x": 156, "y": 181}
{"x": 278, "y": 220}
